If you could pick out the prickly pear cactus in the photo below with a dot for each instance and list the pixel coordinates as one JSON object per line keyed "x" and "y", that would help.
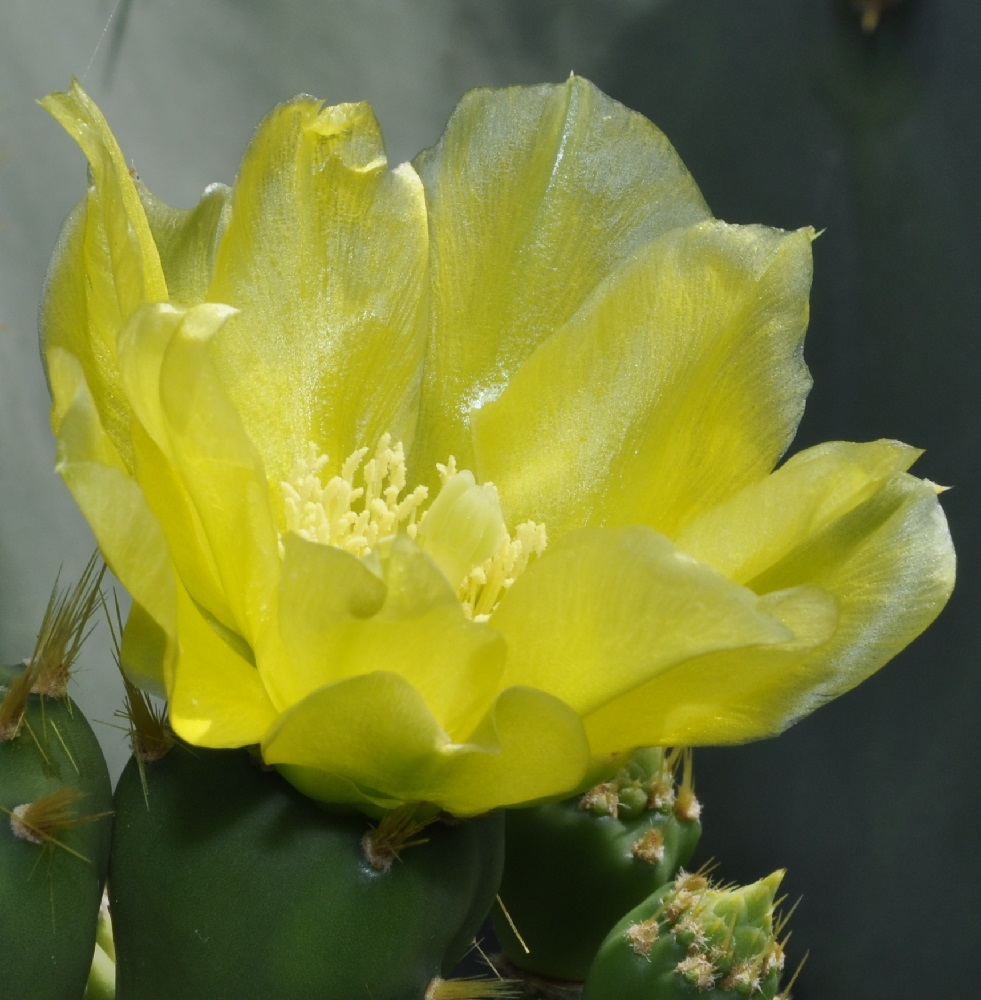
{"x": 226, "y": 882}
{"x": 55, "y": 813}
{"x": 692, "y": 939}
{"x": 573, "y": 868}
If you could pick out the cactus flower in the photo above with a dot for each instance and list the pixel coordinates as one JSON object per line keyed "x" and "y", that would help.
{"x": 455, "y": 481}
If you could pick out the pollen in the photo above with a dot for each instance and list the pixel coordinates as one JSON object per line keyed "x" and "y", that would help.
{"x": 462, "y": 529}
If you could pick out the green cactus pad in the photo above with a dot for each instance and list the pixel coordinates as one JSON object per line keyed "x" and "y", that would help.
{"x": 51, "y": 880}
{"x": 226, "y": 882}
{"x": 574, "y": 867}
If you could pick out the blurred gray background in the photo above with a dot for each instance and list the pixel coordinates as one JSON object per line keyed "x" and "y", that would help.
{"x": 786, "y": 114}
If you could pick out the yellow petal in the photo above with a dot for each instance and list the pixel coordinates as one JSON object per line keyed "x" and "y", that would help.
{"x": 190, "y": 456}
{"x": 105, "y": 266}
{"x": 678, "y": 383}
{"x": 220, "y": 468}
{"x": 320, "y": 586}
{"x": 890, "y": 563}
{"x": 374, "y": 730}
{"x": 605, "y": 609}
{"x": 764, "y": 523}
{"x": 78, "y": 426}
{"x": 132, "y": 545}
{"x": 128, "y": 534}
{"x": 530, "y": 746}
{"x": 186, "y": 240}
{"x": 324, "y": 255}
{"x": 147, "y": 651}
{"x": 536, "y": 196}
{"x": 216, "y": 697}
{"x": 337, "y": 619}
{"x": 142, "y": 346}
{"x": 840, "y": 520}
{"x": 726, "y": 695}
{"x": 375, "y": 733}
{"x": 881, "y": 547}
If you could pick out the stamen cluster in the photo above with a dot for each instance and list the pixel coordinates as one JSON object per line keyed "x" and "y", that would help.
{"x": 355, "y": 516}
{"x": 347, "y": 516}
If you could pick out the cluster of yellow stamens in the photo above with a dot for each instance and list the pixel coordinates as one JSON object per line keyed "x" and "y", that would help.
{"x": 485, "y": 584}
{"x": 364, "y": 505}
{"x": 349, "y": 517}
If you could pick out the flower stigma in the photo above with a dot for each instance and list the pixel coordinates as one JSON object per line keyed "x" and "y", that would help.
{"x": 462, "y": 530}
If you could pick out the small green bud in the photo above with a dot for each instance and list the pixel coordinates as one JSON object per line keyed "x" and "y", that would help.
{"x": 632, "y": 800}
{"x": 692, "y": 937}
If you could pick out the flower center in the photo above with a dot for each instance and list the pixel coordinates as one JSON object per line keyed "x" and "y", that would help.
{"x": 462, "y": 530}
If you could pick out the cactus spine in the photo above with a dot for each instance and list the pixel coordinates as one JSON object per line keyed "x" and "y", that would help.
{"x": 56, "y": 796}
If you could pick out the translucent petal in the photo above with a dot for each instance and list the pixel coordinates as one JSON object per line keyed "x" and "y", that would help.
{"x": 220, "y": 469}
{"x": 536, "y": 196}
{"x": 890, "y": 564}
{"x": 607, "y": 608}
{"x": 768, "y": 520}
{"x": 679, "y": 382}
{"x": 216, "y": 697}
{"x": 373, "y": 729}
{"x": 531, "y": 746}
{"x": 128, "y": 534}
{"x": 463, "y": 526}
{"x": 841, "y": 520}
{"x": 727, "y": 695}
{"x": 320, "y": 586}
{"x": 63, "y": 303}
{"x": 105, "y": 265}
{"x": 147, "y": 651}
{"x": 845, "y": 518}
{"x": 78, "y": 427}
{"x": 142, "y": 346}
{"x": 375, "y": 732}
{"x": 337, "y": 619}
{"x": 131, "y": 543}
{"x": 186, "y": 240}
{"x": 324, "y": 255}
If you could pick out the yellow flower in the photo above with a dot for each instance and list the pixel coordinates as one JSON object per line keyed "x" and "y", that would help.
{"x": 453, "y": 481}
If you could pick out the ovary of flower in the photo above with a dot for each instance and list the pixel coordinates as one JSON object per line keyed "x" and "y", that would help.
{"x": 462, "y": 530}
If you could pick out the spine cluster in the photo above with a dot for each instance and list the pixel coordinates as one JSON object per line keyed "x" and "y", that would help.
{"x": 55, "y": 811}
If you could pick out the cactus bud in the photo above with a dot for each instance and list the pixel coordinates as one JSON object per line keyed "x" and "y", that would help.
{"x": 693, "y": 938}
